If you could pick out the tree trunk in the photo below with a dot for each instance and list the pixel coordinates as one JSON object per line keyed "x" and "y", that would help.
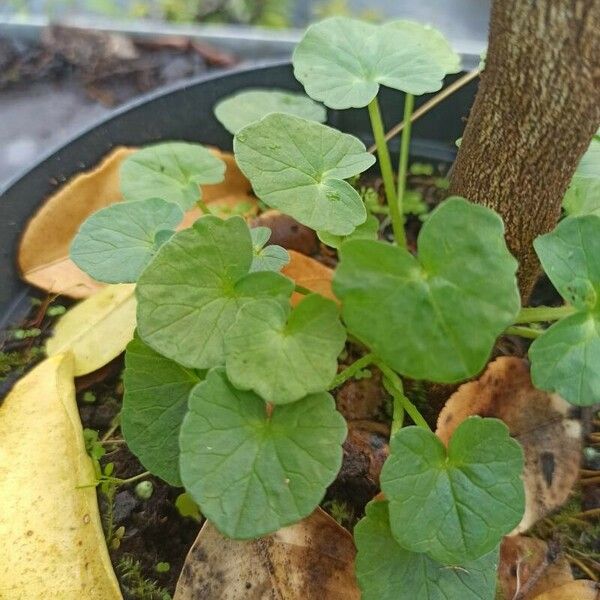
{"x": 537, "y": 107}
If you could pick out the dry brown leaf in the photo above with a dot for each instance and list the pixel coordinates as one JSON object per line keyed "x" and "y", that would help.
{"x": 44, "y": 248}
{"x": 312, "y": 559}
{"x": 97, "y": 329}
{"x": 581, "y": 589}
{"x": 528, "y": 567}
{"x": 308, "y": 273}
{"x": 538, "y": 420}
{"x": 49, "y": 525}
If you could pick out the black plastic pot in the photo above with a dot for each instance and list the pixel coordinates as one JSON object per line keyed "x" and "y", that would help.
{"x": 185, "y": 112}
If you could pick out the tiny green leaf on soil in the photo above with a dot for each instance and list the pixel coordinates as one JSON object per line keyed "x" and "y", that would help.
{"x": 266, "y": 258}
{"x": 387, "y": 571}
{"x": 190, "y": 293}
{"x": 116, "y": 243}
{"x": 454, "y": 505}
{"x": 565, "y": 358}
{"x": 282, "y": 355}
{"x": 583, "y": 195}
{"x": 172, "y": 171}
{"x": 253, "y": 473}
{"x": 342, "y": 61}
{"x": 248, "y": 106}
{"x": 299, "y": 167}
{"x": 367, "y": 231}
{"x": 447, "y": 306}
{"x": 154, "y": 403}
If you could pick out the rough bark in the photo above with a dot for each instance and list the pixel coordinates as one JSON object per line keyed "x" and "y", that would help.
{"x": 537, "y": 107}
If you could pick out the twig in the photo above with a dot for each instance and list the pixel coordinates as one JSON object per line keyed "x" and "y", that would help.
{"x": 424, "y": 108}
{"x": 581, "y": 565}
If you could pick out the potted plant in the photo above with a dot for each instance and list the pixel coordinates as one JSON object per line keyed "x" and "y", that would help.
{"x": 229, "y": 378}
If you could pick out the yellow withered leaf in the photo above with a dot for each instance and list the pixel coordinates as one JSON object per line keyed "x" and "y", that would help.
{"x": 53, "y": 545}
{"x": 311, "y": 559}
{"x": 582, "y": 589}
{"x": 97, "y": 329}
{"x": 43, "y": 256}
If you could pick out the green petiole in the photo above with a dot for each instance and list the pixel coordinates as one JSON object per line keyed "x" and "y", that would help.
{"x": 352, "y": 370}
{"x": 539, "y": 314}
{"x": 385, "y": 164}
{"x": 409, "y": 104}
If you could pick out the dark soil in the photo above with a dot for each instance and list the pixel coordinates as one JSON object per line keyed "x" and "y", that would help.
{"x": 155, "y": 532}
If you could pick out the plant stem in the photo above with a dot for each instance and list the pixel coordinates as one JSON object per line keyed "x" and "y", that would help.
{"x": 134, "y": 478}
{"x": 203, "y": 206}
{"x": 425, "y": 108}
{"x": 409, "y": 104}
{"x": 525, "y": 332}
{"x": 398, "y": 411}
{"x": 539, "y": 314}
{"x": 395, "y": 381}
{"x": 302, "y": 290}
{"x": 385, "y": 165}
{"x": 352, "y": 370}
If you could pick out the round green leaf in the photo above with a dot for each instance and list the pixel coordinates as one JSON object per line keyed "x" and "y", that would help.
{"x": 155, "y": 401}
{"x": 284, "y": 356}
{"x": 299, "y": 167}
{"x": 266, "y": 258}
{"x": 367, "y": 231}
{"x": 436, "y": 317}
{"x": 342, "y": 61}
{"x": 243, "y": 108}
{"x": 190, "y": 293}
{"x": 566, "y": 358}
{"x": 252, "y": 473}
{"x": 583, "y": 195}
{"x": 172, "y": 171}
{"x": 116, "y": 243}
{"x": 387, "y": 571}
{"x": 454, "y": 505}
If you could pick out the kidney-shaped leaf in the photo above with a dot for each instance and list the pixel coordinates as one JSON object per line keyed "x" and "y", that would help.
{"x": 454, "y": 505}
{"x": 248, "y": 106}
{"x": 435, "y": 317}
{"x": 566, "y": 358}
{"x": 266, "y": 258}
{"x": 172, "y": 171}
{"x": 190, "y": 293}
{"x": 342, "y": 61}
{"x": 366, "y": 231}
{"x": 251, "y": 472}
{"x": 155, "y": 401}
{"x": 116, "y": 243}
{"x": 299, "y": 167}
{"x": 387, "y": 571}
{"x": 583, "y": 195}
{"x": 284, "y": 356}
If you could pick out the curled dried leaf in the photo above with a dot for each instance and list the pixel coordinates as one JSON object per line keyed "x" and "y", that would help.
{"x": 49, "y": 515}
{"x": 576, "y": 590}
{"x": 529, "y": 567}
{"x": 311, "y": 559}
{"x": 540, "y": 421}
{"x": 43, "y": 256}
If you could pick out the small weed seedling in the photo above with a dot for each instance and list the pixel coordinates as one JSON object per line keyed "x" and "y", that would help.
{"x": 227, "y": 385}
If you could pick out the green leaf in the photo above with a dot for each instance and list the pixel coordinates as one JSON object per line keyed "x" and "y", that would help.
{"x": 367, "y": 231}
{"x": 252, "y": 473}
{"x": 266, "y": 258}
{"x": 116, "y": 243}
{"x": 283, "y": 355}
{"x": 243, "y": 108}
{"x": 172, "y": 171}
{"x": 299, "y": 167}
{"x": 342, "y": 61}
{"x": 454, "y": 505}
{"x": 190, "y": 293}
{"x": 583, "y": 195}
{"x": 155, "y": 401}
{"x": 387, "y": 571}
{"x": 566, "y": 358}
{"x": 436, "y": 317}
